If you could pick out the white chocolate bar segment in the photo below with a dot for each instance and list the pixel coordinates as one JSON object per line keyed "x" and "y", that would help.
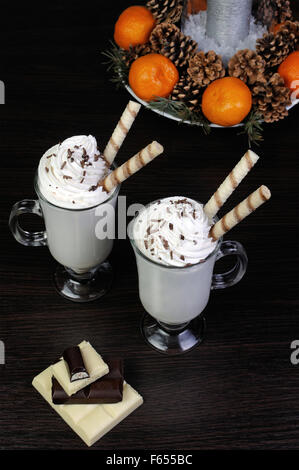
{"x": 94, "y": 364}
{"x": 90, "y": 422}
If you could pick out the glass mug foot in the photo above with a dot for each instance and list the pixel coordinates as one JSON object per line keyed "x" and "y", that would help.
{"x": 83, "y": 287}
{"x": 173, "y": 339}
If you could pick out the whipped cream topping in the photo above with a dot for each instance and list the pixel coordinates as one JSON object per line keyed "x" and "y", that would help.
{"x": 174, "y": 231}
{"x": 69, "y": 172}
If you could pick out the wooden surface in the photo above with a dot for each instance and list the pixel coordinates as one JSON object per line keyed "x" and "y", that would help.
{"x": 239, "y": 388}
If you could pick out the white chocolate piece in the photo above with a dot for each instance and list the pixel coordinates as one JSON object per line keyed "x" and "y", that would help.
{"x": 93, "y": 362}
{"x": 131, "y": 166}
{"x": 230, "y": 183}
{"x": 122, "y": 128}
{"x": 90, "y": 422}
{"x": 242, "y": 210}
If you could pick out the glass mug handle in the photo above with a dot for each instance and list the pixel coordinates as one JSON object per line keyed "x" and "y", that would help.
{"x": 235, "y": 274}
{"x": 27, "y": 206}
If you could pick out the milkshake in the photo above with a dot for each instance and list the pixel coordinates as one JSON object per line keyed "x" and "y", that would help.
{"x": 77, "y": 188}
{"x": 176, "y": 268}
{"x": 175, "y": 257}
{"x": 72, "y": 203}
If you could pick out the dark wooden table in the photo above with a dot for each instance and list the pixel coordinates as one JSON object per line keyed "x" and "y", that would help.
{"x": 239, "y": 388}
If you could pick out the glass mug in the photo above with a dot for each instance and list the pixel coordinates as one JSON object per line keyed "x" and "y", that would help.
{"x": 71, "y": 237}
{"x": 175, "y": 297}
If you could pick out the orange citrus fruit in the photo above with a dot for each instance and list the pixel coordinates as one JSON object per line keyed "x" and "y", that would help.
{"x": 226, "y": 101}
{"x": 133, "y": 27}
{"x": 275, "y": 27}
{"x": 194, "y": 6}
{"x": 153, "y": 75}
{"x": 289, "y": 70}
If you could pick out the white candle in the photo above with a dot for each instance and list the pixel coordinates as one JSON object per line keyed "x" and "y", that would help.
{"x": 228, "y": 20}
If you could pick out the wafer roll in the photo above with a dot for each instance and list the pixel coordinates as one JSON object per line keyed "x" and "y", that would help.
{"x": 130, "y": 167}
{"x": 230, "y": 183}
{"x": 242, "y": 210}
{"x": 121, "y": 130}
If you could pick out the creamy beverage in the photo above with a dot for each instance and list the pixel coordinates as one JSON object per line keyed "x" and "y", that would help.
{"x": 72, "y": 203}
{"x": 77, "y": 188}
{"x": 176, "y": 259}
{"x": 175, "y": 255}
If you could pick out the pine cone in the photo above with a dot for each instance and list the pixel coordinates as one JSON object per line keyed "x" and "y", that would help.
{"x": 134, "y": 52}
{"x": 188, "y": 92}
{"x": 168, "y": 40}
{"x": 274, "y": 48}
{"x": 204, "y": 68}
{"x": 248, "y": 66}
{"x": 273, "y": 11}
{"x": 271, "y": 98}
{"x": 166, "y": 11}
{"x": 291, "y": 28}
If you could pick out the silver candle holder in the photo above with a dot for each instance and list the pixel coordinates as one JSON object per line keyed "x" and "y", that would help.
{"x": 228, "y": 21}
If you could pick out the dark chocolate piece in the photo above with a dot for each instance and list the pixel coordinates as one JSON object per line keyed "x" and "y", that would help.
{"x": 74, "y": 360}
{"x": 107, "y": 389}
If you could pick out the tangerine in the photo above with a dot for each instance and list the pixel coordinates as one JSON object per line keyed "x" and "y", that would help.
{"x": 289, "y": 71}
{"x": 226, "y": 101}
{"x": 133, "y": 27}
{"x": 153, "y": 75}
{"x": 276, "y": 27}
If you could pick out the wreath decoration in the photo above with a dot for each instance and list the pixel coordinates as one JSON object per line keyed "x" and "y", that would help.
{"x": 265, "y": 70}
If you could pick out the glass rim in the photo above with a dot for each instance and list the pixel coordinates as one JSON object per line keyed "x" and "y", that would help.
{"x": 139, "y": 252}
{"x": 41, "y": 196}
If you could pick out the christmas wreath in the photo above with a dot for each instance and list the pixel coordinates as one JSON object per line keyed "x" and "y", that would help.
{"x": 165, "y": 67}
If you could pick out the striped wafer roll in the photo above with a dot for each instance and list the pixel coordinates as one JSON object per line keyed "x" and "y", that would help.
{"x": 130, "y": 167}
{"x": 121, "y": 130}
{"x": 230, "y": 183}
{"x": 242, "y": 210}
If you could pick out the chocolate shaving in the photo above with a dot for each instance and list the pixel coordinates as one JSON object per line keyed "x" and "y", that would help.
{"x": 171, "y": 226}
{"x": 76, "y": 146}
{"x": 66, "y": 177}
{"x": 145, "y": 244}
{"x": 47, "y": 169}
{"x": 84, "y": 172}
{"x": 69, "y": 153}
{"x": 182, "y": 237}
{"x": 82, "y": 180}
{"x": 93, "y": 188}
{"x": 63, "y": 165}
{"x": 165, "y": 244}
{"x": 171, "y": 255}
{"x": 96, "y": 157}
{"x": 73, "y": 202}
{"x": 182, "y": 258}
{"x": 194, "y": 214}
